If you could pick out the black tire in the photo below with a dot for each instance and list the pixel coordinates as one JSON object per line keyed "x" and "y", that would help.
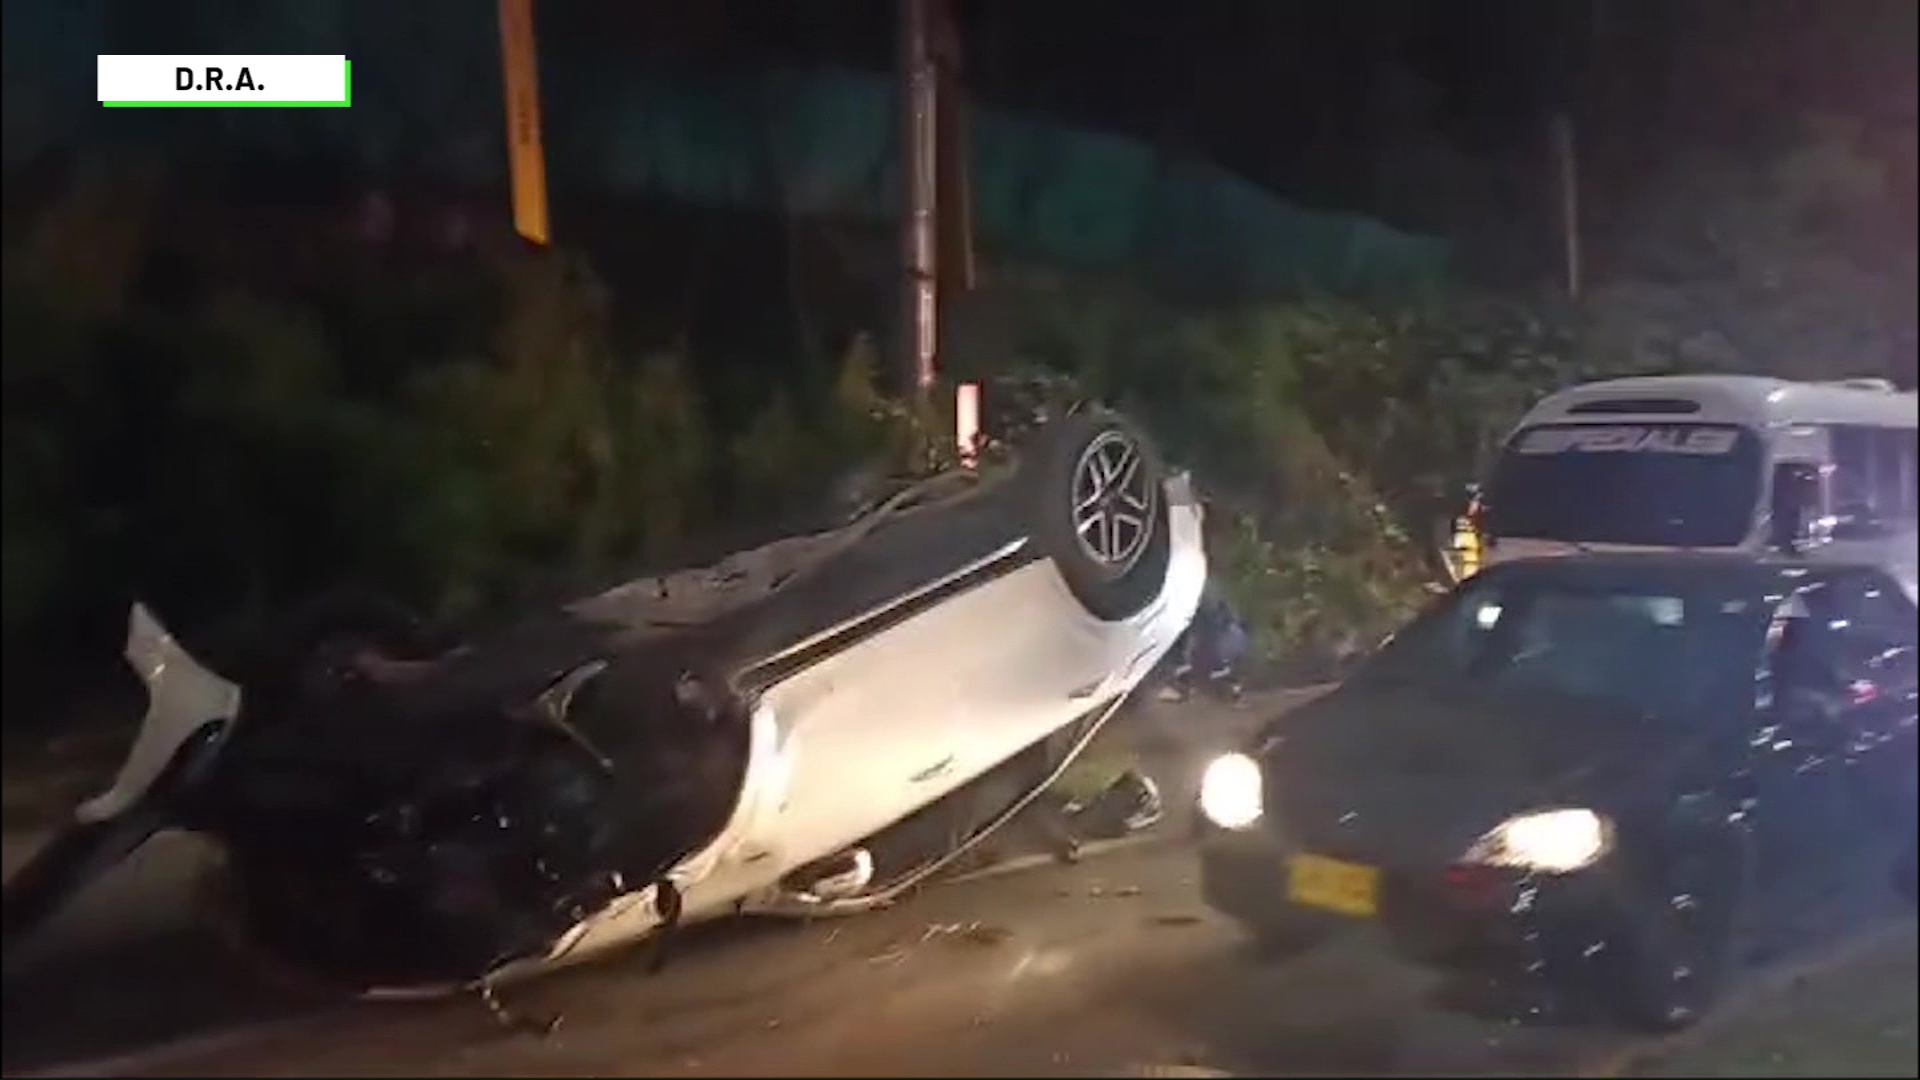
{"x": 1114, "y": 588}
{"x": 1674, "y": 948}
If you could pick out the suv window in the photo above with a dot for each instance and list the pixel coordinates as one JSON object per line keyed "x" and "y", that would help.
{"x": 1855, "y": 636}
{"x": 1653, "y": 485}
{"x": 1874, "y": 472}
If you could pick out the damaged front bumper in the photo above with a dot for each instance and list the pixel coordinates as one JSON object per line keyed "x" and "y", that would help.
{"x": 383, "y": 851}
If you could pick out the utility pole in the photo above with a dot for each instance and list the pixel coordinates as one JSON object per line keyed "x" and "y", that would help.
{"x": 1567, "y": 173}
{"x": 1583, "y": 33}
{"x": 919, "y": 146}
{"x": 526, "y": 158}
{"x": 954, "y": 167}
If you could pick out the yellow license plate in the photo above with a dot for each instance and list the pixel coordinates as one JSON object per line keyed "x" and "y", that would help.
{"x": 1334, "y": 885}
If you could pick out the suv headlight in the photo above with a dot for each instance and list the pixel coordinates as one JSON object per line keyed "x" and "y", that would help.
{"x": 1230, "y": 791}
{"x": 1546, "y": 841}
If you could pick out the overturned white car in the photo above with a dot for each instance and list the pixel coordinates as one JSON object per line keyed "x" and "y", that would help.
{"x": 810, "y": 727}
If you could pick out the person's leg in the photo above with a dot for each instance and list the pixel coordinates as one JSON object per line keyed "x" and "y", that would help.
{"x": 1179, "y": 668}
{"x": 1208, "y": 664}
{"x": 1222, "y": 672}
{"x": 1130, "y": 804}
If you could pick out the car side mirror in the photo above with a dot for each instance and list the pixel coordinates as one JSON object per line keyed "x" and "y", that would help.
{"x": 1795, "y": 506}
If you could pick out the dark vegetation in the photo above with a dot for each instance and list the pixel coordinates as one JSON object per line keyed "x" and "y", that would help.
{"x": 224, "y": 406}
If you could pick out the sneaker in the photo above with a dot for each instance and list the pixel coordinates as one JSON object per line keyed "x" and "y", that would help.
{"x": 1149, "y": 808}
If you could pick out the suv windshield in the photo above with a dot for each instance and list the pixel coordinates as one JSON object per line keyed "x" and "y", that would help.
{"x": 1658, "y": 485}
{"x": 1654, "y": 650}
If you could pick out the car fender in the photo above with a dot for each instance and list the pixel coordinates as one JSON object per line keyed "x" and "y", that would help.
{"x": 183, "y": 697}
{"x": 747, "y": 857}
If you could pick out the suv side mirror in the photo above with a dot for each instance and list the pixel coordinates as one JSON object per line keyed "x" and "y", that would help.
{"x": 1795, "y": 506}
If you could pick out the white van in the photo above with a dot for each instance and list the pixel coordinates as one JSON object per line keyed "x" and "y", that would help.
{"x": 1711, "y": 462}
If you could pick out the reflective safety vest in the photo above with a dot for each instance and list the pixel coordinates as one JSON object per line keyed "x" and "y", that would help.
{"x": 1466, "y": 548}
{"x": 1469, "y": 546}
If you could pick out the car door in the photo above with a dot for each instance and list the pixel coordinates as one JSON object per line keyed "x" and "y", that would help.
{"x": 1835, "y": 752}
{"x": 1875, "y": 651}
{"x": 866, "y": 737}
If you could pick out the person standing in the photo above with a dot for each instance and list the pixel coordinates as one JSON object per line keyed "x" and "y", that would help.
{"x": 1208, "y": 654}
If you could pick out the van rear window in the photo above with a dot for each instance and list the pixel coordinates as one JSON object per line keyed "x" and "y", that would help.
{"x": 1635, "y": 406}
{"x": 1656, "y": 485}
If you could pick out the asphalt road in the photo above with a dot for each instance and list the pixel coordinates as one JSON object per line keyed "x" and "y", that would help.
{"x": 1108, "y": 967}
{"x": 129, "y": 967}
{"x": 1104, "y": 967}
{"x": 150, "y": 894}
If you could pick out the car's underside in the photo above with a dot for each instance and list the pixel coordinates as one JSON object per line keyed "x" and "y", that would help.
{"x": 398, "y": 814}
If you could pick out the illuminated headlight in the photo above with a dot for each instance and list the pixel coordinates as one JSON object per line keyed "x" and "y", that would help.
{"x": 1546, "y": 842}
{"x": 1230, "y": 795}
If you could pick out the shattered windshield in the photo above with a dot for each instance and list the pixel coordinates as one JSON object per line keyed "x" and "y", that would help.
{"x": 1658, "y": 485}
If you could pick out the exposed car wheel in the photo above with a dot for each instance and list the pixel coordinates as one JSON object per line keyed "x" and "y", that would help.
{"x": 1099, "y": 511}
{"x": 1673, "y": 950}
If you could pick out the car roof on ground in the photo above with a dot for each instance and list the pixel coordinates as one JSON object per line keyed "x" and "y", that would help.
{"x": 1714, "y": 571}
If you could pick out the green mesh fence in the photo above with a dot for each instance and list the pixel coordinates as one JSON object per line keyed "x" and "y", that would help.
{"x": 822, "y": 143}
{"x": 814, "y": 142}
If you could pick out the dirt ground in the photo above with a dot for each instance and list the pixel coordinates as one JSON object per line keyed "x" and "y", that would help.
{"x": 1162, "y": 984}
{"x": 1853, "y": 1016}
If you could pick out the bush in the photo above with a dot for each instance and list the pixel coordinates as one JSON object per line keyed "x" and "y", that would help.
{"x": 70, "y": 272}
{"x": 224, "y": 439}
{"x": 1331, "y": 435}
{"x": 1799, "y": 265}
{"x": 550, "y": 451}
{"x": 196, "y": 418}
{"x": 223, "y": 451}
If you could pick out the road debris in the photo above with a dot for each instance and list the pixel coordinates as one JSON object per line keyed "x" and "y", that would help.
{"x": 987, "y": 935}
{"x": 515, "y": 1021}
{"x": 975, "y": 933}
{"x": 971, "y": 933}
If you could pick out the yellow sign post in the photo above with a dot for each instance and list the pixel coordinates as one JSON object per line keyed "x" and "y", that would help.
{"x": 526, "y": 158}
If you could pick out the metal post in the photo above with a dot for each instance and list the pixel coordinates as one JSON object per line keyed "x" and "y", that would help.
{"x": 525, "y": 156}
{"x": 1567, "y": 173}
{"x": 919, "y": 175}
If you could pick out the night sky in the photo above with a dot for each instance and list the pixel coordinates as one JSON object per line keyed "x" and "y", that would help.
{"x": 1289, "y": 94}
{"x": 1301, "y": 97}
